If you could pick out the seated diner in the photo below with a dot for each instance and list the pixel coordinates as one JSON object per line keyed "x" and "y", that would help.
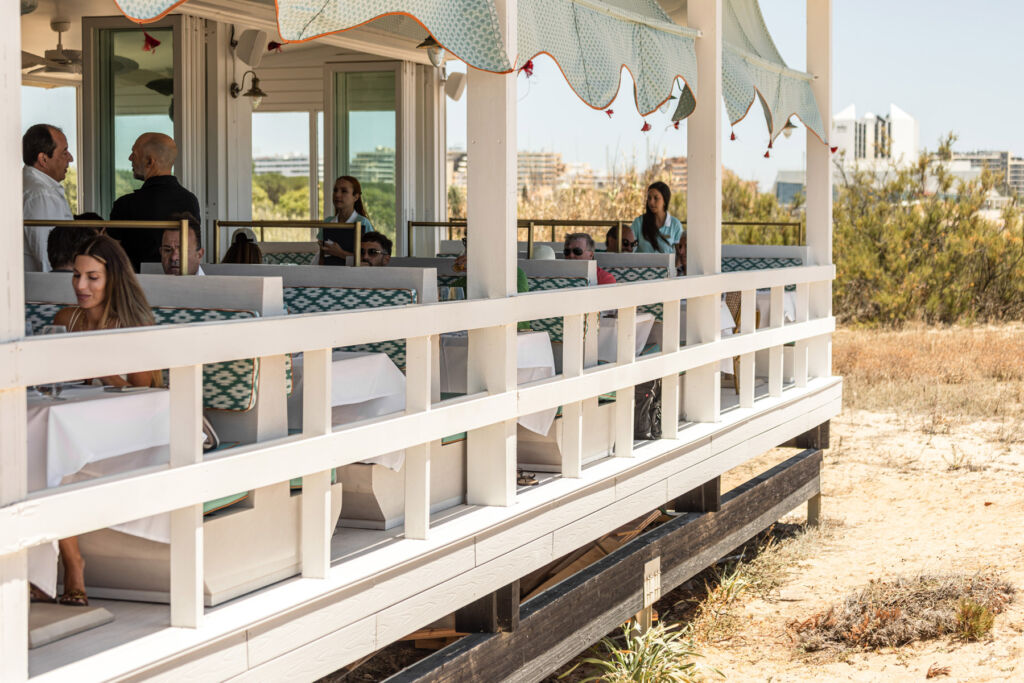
{"x": 579, "y": 246}
{"x": 170, "y": 248}
{"x": 611, "y": 241}
{"x": 375, "y": 249}
{"x": 243, "y": 249}
{"x": 336, "y": 243}
{"x": 109, "y": 297}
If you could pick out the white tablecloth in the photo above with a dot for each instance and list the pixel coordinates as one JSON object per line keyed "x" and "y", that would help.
{"x": 764, "y": 306}
{"x": 608, "y": 336}
{"x": 534, "y": 361}
{"x": 726, "y": 322}
{"x": 92, "y": 434}
{"x": 363, "y": 385}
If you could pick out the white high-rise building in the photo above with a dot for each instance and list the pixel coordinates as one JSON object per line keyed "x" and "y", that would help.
{"x": 872, "y": 140}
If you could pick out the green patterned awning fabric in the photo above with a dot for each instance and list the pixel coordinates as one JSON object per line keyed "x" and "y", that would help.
{"x": 591, "y": 40}
{"x": 753, "y": 69}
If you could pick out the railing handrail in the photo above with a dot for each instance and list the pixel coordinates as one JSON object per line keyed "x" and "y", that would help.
{"x": 181, "y": 225}
{"x": 261, "y": 224}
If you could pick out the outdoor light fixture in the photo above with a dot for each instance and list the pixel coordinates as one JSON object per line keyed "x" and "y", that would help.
{"x": 254, "y": 91}
{"x": 435, "y": 53}
{"x": 788, "y": 129}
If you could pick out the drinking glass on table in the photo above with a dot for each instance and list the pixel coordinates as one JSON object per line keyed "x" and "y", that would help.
{"x": 54, "y": 389}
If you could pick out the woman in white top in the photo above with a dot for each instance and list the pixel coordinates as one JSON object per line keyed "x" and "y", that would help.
{"x": 656, "y": 231}
{"x": 338, "y": 243}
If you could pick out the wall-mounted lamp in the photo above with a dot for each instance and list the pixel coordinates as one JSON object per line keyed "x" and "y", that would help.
{"x": 254, "y": 91}
{"x": 435, "y": 53}
{"x": 788, "y": 129}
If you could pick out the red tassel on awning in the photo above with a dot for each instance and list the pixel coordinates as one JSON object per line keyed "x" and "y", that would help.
{"x": 646, "y": 127}
{"x": 767, "y": 155}
{"x": 149, "y": 43}
{"x": 609, "y": 112}
{"x": 833, "y": 149}
{"x": 732, "y": 136}
{"x": 676, "y": 125}
{"x": 273, "y": 46}
{"x": 769, "y": 144}
{"x": 527, "y": 68}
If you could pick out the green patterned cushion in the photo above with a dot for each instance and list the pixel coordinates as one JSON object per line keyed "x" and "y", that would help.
{"x": 735, "y": 264}
{"x": 319, "y": 299}
{"x": 38, "y": 314}
{"x": 291, "y": 258}
{"x": 230, "y": 385}
{"x": 639, "y": 274}
{"x": 553, "y": 326}
{"x": 449, "y": 280}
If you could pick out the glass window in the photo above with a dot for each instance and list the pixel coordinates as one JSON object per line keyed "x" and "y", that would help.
{"x": 365, "y": 140}
{"x": 137, "y": 87}
{"x": 280, "y": 176}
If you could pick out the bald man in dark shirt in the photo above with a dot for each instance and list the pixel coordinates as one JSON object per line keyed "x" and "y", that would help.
{"x": 160, "y": 198}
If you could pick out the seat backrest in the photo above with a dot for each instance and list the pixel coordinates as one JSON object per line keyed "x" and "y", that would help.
{"x": 637, "y": 268}
{"x": 561, "y": 274}
{"x": 290, "y": 253}
{"x": 741, "y": 257}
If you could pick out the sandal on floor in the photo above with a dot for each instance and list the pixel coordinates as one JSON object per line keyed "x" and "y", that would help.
{"x": 74, "y": 598}
{"x": 37, "y": 594}
{"x": 526, "y": 479}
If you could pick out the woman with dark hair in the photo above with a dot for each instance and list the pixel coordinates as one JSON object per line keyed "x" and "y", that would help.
{"x": 657, "y": 231}
{"x": 337, "y": 243}
{"x": 243, "y": 250}
{"x": 109, "y": 297}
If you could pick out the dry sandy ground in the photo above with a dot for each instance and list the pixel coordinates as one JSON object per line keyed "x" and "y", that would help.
{"x": 902, "y": 494}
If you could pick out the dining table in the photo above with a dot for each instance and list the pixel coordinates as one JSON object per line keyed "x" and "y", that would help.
{"x": 608, "y": 335}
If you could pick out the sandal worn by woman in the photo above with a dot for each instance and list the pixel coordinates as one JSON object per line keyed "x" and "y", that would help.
{"x": 74, "y": 598}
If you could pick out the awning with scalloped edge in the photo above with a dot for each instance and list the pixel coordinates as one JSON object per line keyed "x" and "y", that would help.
{"x": 752, "y": 68}
{"x": 591, "y": 40}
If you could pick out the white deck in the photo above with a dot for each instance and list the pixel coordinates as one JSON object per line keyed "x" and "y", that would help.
{"x": 383, "y": 586}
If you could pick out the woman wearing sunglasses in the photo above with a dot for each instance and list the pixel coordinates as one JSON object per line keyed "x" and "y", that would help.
{"x": 656, "y": 231}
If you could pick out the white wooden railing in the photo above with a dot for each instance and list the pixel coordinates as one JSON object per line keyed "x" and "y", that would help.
{"x": 190, "y": 480}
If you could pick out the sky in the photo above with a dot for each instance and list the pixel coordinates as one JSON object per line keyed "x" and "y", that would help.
{"x": 955, "y": 67}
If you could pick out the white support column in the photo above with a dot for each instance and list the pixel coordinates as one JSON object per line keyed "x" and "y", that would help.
{"x": 417, "y": 459}
{"x": 748, "y": 325}
{"x": 491, "y": 211}
{"x": 186, "y": 523}
{"x": 625, "y": 396}
{"x": 670, "y": 384}
{"x": 13, "y": 463}
{"x": 704, "y": 206}
{"x": 819, "y": 177}
{"x": 572, "y": 413}
{"x": 316, "y": 486}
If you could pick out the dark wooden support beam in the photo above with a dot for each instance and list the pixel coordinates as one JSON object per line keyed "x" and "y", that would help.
{"x": 814, "y": 438}
{"x": 493, "y": 613}
{"x": 705, "y": 498}
{"x": 565, "y": 619}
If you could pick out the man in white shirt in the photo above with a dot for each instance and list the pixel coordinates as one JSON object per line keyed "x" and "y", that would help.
{"x": 45, "y": 153}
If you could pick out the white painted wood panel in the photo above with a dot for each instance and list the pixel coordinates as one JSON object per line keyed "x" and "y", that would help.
{"x": 572, "y": 536}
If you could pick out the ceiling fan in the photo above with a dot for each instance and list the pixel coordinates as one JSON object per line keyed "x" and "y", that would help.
{"x": 59, "y": 60}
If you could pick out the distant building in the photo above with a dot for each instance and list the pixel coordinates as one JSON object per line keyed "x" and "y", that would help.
{"x": 676, "y": 170}
{"x": 788, "y": 184}
{"x": 873, "y": 141}
{"x": 290, "y": 166}
{"x": 539, "y": 170}
{"x": 377, "y": 166}
{"x": 456, "y": 167}
{"x": 1011, "y": 168}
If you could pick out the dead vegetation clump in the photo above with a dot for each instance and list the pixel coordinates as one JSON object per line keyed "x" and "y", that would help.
{"x": 905, "y": 610}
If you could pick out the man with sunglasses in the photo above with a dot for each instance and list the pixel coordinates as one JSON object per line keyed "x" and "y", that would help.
{"x": 579, "y": 246}
{"x": 629, "y": 241}
{"x": 375, "y": 249}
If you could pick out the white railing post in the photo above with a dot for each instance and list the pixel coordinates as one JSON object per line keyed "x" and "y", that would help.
{"x": 819, "y": 177}
{"x": 417, "y": 458}
{"x": 491, "y": 211}
{"x": 801, "y": 347}
{"x": 13, "y": 457}
{"x": 704, "y": 207}
{"x": 776, "y": 355}
{"x": 670, "y": 384}
{"x": 625, "y": 396}
{"x": 748, "y": 324}
{"x": 316, "y": 486}
{"x": 186, "y": 419}
{"x": 572, "y": 413}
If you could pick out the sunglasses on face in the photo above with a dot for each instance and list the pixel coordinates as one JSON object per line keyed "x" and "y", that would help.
{"x": 576, "y": 251}
{"x": 626, "y": 244}
{"x": 371, "y": 252}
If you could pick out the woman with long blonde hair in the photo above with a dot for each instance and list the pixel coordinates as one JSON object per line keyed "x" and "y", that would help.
{"x": 109, "y": 297}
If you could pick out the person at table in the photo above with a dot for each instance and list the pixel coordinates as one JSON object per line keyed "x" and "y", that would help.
{"x": 579, "y": 246}
{"x": 109, "y": 297}
{"x": 611, "y": 241}
{"x": 170, "y": 248}
{"x": 44, "y": 149}
{"x": 159, "y": 199}
{"x": 657, "y": 232}
{"x": 243, "y": 250}
{"x": 64, "y": 242}
{"x": 338, "y": 243}
{"x": 375, "y": 249}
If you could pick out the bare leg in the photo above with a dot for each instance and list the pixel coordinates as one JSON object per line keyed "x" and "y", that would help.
{"x": 74, "y": 567}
